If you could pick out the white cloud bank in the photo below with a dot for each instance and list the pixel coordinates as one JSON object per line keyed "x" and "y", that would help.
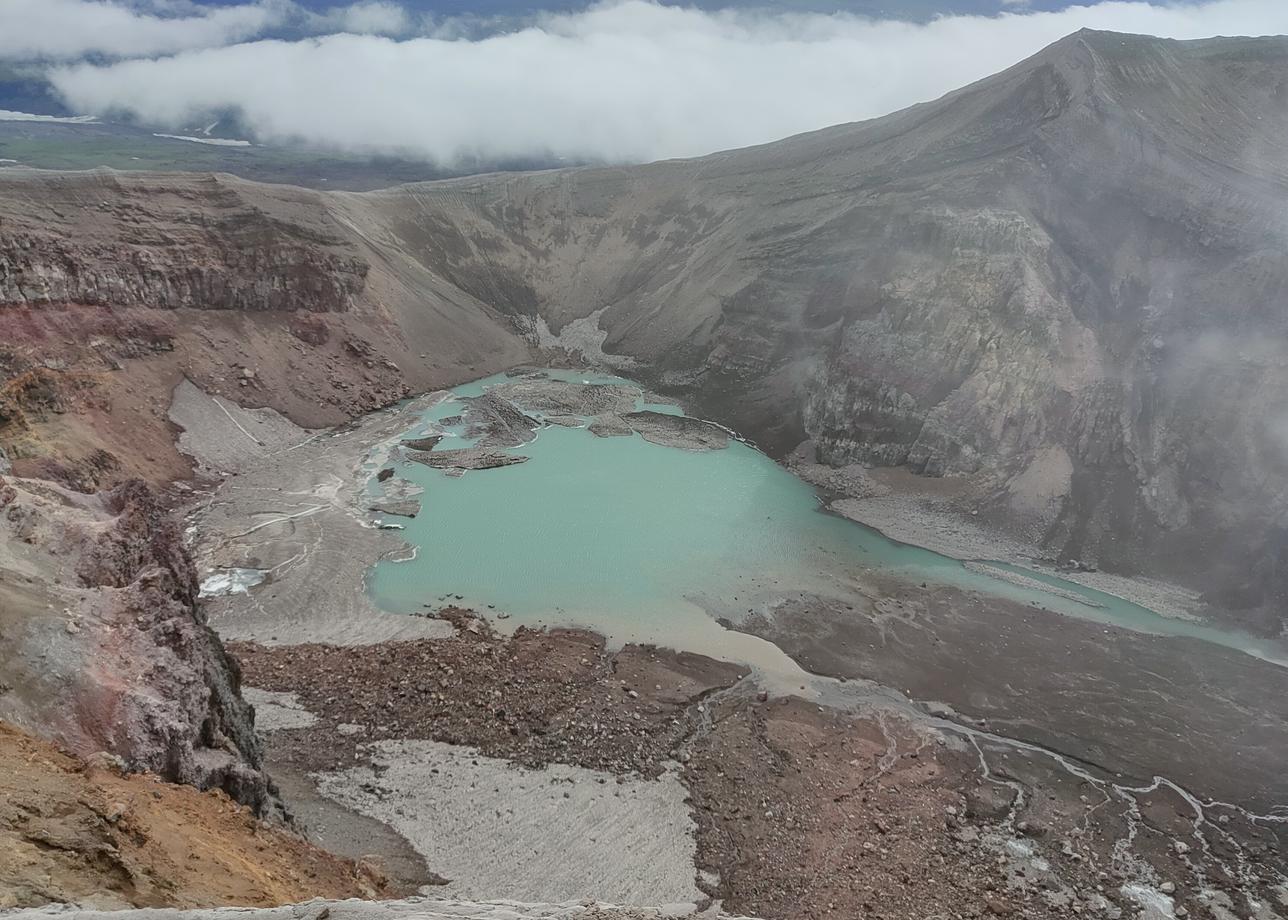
{"x": 625, "y": 81}
{"x": 70, "y": 29}
{"x": 67, "y": 29}
{"x": 374, "y": 18}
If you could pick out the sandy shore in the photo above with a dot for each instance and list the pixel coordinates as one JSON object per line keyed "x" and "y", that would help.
{"x": 1024, "y": 581}
{"x": 907, "y": 519}
{"x": 299, "y": 515}
{"x": 924, "y": 512}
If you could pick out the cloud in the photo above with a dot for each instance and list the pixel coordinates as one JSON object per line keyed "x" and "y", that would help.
{"x": 372, "y": 18}
{"x": 623, "y": 81}
{"x": 68, "y": 29}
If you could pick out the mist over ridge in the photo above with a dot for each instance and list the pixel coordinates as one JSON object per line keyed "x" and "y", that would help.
{"x": 628, "y": 81}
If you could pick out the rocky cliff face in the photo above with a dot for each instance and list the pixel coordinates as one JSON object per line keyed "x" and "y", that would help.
{"x": 113, "y": 292}
{"x": 114, "y": 288}
{"x": 106, "y": 649}
{"x": 152, "y": 244}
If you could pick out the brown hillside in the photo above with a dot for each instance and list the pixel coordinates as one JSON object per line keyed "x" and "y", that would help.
{"x": 72, "y": 831}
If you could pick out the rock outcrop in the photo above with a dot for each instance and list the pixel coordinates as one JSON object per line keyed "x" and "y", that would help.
{"x": 106, "y": 649}
{"x": 90, "y": 834}
{"x": 155, "y": 245}
{"x": 115, "y": 288}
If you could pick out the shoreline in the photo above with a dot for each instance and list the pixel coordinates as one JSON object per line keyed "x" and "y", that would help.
{"x": 300, "y": 518}
{"x": 303, "y": 518}
{"x": 909, "y": 516}
{"x": 322, "y": 513}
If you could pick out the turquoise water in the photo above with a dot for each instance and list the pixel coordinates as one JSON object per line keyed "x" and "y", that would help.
{"x": 647, "y": 543}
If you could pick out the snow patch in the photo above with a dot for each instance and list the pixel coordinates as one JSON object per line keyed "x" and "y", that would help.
{"x": 7, "y": 115}
{"x": 1021, "y": 849}
{"x": 555, "y": 834}
{"x": 231, "y": 581}
{"x": 582, "y": 337}
{"x": 1154, "y": 904}
{"x": 212, "y": 141}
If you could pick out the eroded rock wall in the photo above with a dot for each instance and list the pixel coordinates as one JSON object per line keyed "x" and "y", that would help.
{"x": 114, "y": 288}
{"x": 106, "y": 648}
{"x": 157, "y": 245}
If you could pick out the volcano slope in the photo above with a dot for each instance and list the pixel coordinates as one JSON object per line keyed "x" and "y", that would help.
{"x": 88, "y": 834}
{"x": 1059, "y": 291}
{"x": 1062, "y": 284}
{"x": 1065, "y": 282}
